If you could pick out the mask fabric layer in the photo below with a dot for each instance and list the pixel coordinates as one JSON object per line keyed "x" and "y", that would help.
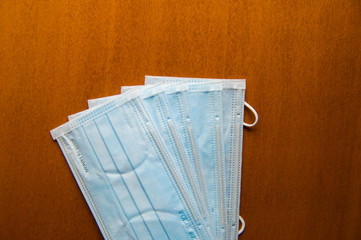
{"x": 178, "y": 98}
{"x": 233, "y": 111}
{"x": 105, "y": 143}
{"x": 233, "y": 105}
{"x": 96, "y": 188}
{"x": 206, "y": 105}
{"x": 205, "y": 102}
{"x": 156, "y": 104}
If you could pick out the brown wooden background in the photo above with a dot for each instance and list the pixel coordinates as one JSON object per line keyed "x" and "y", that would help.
{"x": 302, "y": 162}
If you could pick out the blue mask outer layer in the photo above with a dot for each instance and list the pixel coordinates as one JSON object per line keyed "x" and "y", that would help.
{"x": 206, "y": 105}
{"x": 142, "y": 185}
{"x": 233, "y": 105}
{"x": 160, "y": 111}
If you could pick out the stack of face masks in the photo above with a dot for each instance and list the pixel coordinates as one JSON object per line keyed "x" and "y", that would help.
{"x": 161, "y": 161}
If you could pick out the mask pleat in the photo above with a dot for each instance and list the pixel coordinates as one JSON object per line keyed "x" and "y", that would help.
{"x": 132, "y": 208}
{"x": 236, "y": 161}
{"x": 196, "y": 159}
{"x": 145, "y": 203}
{"x": 68, "y": 153}
{"x": 188, "y": 171}
{"x": 220, "y": 174}
{"x": 169, "y": 165}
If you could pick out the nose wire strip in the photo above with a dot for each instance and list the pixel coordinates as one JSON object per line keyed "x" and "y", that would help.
{"x": 196, "y": 159}
{"x": 188, "y": 172}
{"x": 220, "y": 173}
{"x": 236, "y": 159}
{"x": 164, "y": 155}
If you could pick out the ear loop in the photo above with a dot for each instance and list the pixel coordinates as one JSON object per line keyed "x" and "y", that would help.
{"x": 243, "y": 225}
{"x": 254, "y": 113}
{"x": 247, "y": 125}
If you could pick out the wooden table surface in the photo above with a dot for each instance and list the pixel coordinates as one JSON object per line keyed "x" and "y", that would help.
{"x": 302, "y": 61}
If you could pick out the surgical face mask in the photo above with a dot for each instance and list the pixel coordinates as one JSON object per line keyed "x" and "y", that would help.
{"x": 233, "y": 105}
{"x": 93, "y": 183}
{"x": 155, "y": 102}
{"x": 233, "y": 100}
{"x": 102, "y": 146}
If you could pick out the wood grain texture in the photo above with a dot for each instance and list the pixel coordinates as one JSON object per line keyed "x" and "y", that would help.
{"x": 301, "y": 163}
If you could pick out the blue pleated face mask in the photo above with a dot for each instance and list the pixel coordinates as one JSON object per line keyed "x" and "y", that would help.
{"x": 133, "y": 194}
{"x": 233, "y": 105}
{"x": 233, "y": 102}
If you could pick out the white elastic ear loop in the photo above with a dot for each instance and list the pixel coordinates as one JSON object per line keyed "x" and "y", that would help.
{"x": 255, "y": 116}
{"x": 243, "y": 226}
